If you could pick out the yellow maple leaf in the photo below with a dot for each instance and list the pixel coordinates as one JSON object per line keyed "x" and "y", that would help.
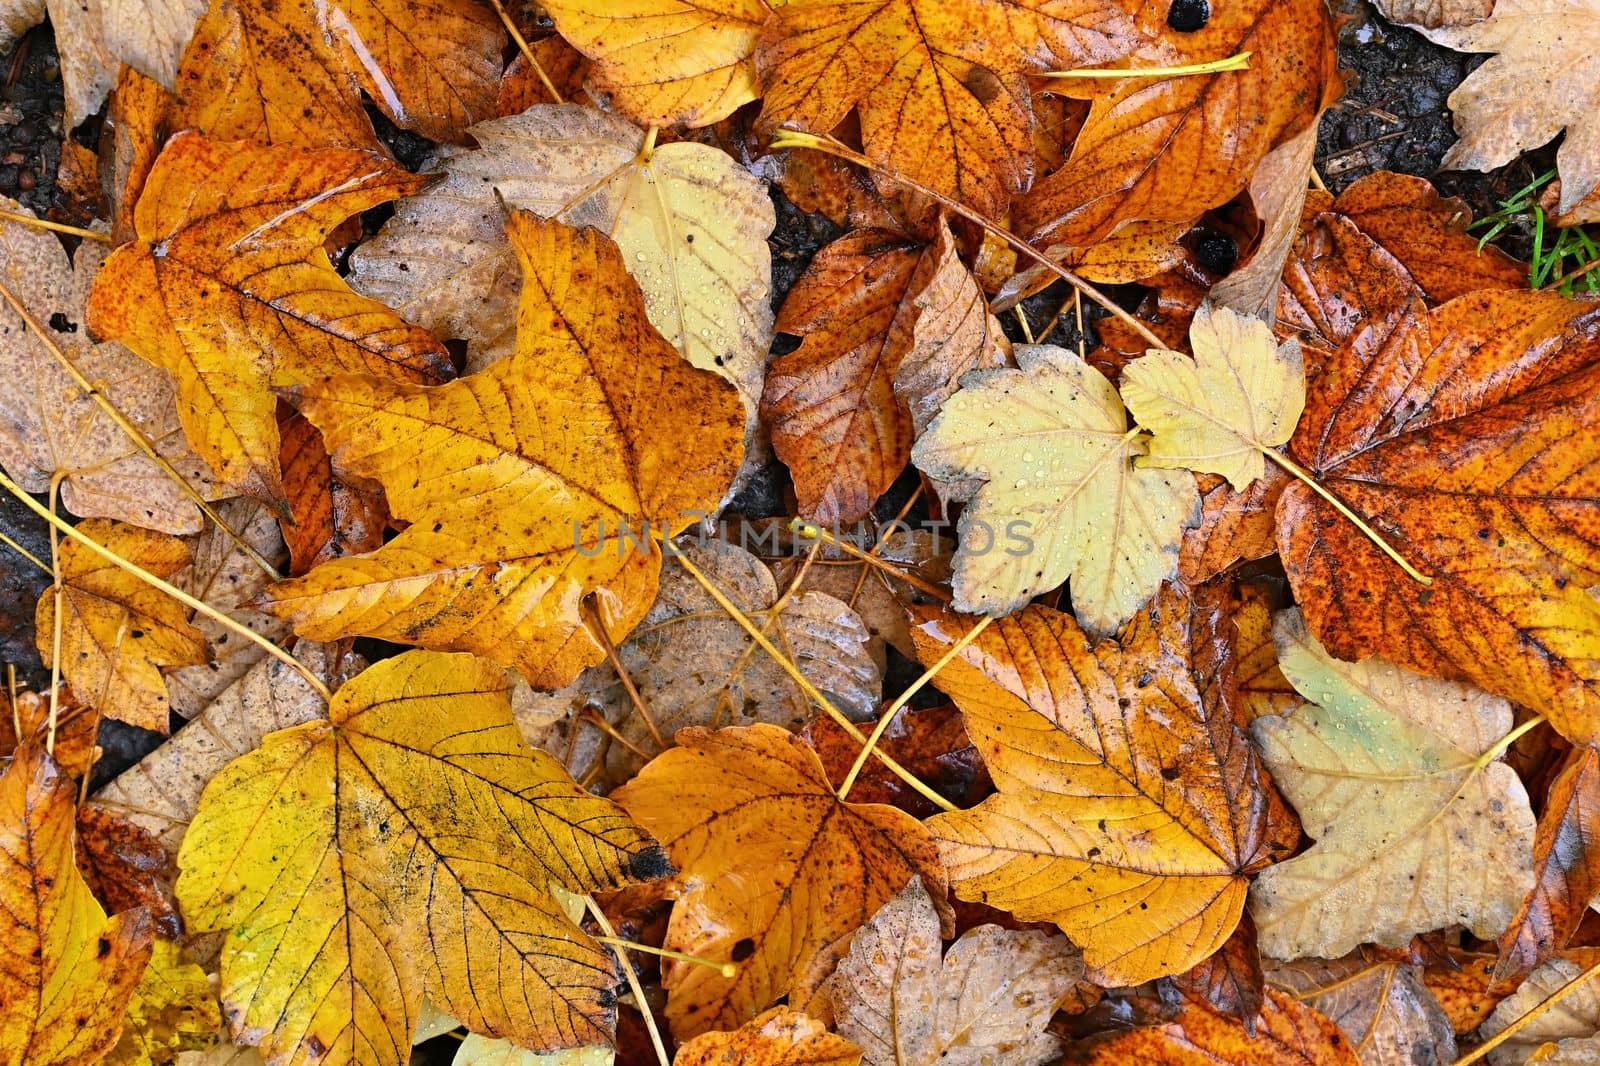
{"x": 667, "y": 62}
{"x": 1222, "y": 411}
{"x": 116, "y": 631}
{"x": 66, "y": 972}
{"x": 228, "y": 288}
{"x": 516, "y": 479}
{"x": 406, "y": 846}
{"x": 1061, "y": 497}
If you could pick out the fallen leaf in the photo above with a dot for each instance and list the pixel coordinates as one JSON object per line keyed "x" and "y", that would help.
{"x": 1263, "y": 689}
{"x": 931, "y": 742}
{"x": 118, "y": 633}
{"x": 223, "y": 576}
{"x": 1128, "y": 813}
{"x": 478, "y": 1050}
{"x": 509, "y": 531}
{"x": 778, "y": 1037}
{"x": 173, "y": 1009}
{"x": 76, "y": 727}
{"x": 69, "y": 970}
{"x": 1520, "y": 99}
{"x": 1289, "y": 1032}
{"x": 940, "y": 87}
{"x": 228, "y": 289}
{"x": 140, "y": 116}
{"x": 332, "y": 517}
{"x": 691, "y": 223}
{"x": 1565, "y": 1036}
{"x": 521, "y": 86}
{"x": 1566, "y": 868}
{"x": 776, "y": 872}
{"x": 1220, "y": 412}
{"x": 293, "y": 73}
{"x": 1234, "y": 526}
{"x": 161, "y": 792}
{"x": 987, "y": 1001}
{"x": 667, "y": 62}
{"x": 830, "y": 403}
{"x": 693, "y": 665}
{"x": 1381, "y": 1006}
{"x": 1434, "y": 13}
{"x": 1149, "y": 148}
{"x": 1231, "y": 981}
{"x": 1414, "y": 829}
{"x": 1464, "y": 435}
{"x": 1277, "y": 192}
{"x": 1051, "y": 443}
{"x": 1462, "y": 989}
{"x": 50, "y": 427}
{"x": 125, "y": 866}
{"x": 360, "y": 862}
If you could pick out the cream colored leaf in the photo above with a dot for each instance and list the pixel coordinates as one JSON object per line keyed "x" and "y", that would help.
{"x": 692, "y": 664}
{"x": 49, "y": 427}
{"x": 667, "y": 62}
{"x": 1277, "y": 192}
{"x": 1544, "y": 79}
{"x": 223, "y": 576}
{"x": 1411, "y": 833}
{"x": 1382, "y": 1005}
{"x": 1568, "y": 1034}
{"x": 1431, "y": 14}
{"x": 1063, "y": 498}
{"x": 987, "y": 1002}
{"x": 1219, "y": 412}
{"x": 692, "y": 225}
{"x": 478, "y": 1050}
{"x": 161, "y": 792}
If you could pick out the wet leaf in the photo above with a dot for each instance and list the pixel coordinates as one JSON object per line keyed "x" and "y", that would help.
{"x": 1277, "y": 193}
{"x": 1564, "y": 1036}
{"x": 228, "y": 289}
{"x": 173, "y": 1009}
{"x": 69, "y": 971}
{"x": 1231, "y": 981}
{"x": 125, "y": 866}
{"x": 987, "y": 1001}
{"x": 76, "y": 725}
{"x": 332, "y": 517}
{"x": 1062, "y": 498}
{"x": 1382, "y": 1007}
{"x": 1414, "y": 829}
{"x": 1240, "y": 396}
{"x": 667, "y": 62}
{"x": 118, "y": 633}
{"x": 1433, "y": 13}
{"x": 1129, "y": 813}
{"x": 273, "y": 73}
{"x": 1288, "y": 1033}
{"x": 509, "y": 588}
{"x": 776, "y": 873}
{"x": 931, "y": 743}
{"x": 360, "y": 862}
{"x": 778, "y": 1037}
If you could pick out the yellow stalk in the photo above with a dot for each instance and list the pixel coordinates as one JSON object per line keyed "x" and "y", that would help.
{"x": 633, "y": 980}
{"x": 726, "y": 969}
{"x": 1517, "y": 1026}
{"x": 55, "y": 227}
{"x": 1216, "y": 66}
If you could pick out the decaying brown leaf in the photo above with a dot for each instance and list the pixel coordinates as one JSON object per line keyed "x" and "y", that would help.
{"x": 775, "y": 871}
{"x": 332, "y": 517}
{"x": 1382, "y": 1006}
{"x": 125, "y": 867}
{"x": 778, "y": 1037}
{"x": 1288, "y": 1033}
{"x": 930, "y": 742}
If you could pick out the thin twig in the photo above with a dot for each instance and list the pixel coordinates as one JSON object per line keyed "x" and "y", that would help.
{"x": 726, "y": 969}
{"x": 1517, "y": 1026}
{"x": 810, "y": 530}
{"x": 55, "y": 227}
{"x": 597, "y": 629}
{"x": 527, "y": 52}
{"x": 633, "y": 979}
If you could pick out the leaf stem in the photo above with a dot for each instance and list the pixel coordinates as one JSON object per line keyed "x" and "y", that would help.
{"x": 633, "y": 979}
{"x": 1520, "y": 1023}
{"x": 1216, "y": 66}
{"x": 916, "y": 783}
{"x": 176, "y": 593}
{"x": 810, "y": 531}
{"x": 827, "y": 144}
{"x": 904, "y": 698}
{"x": 55, "y": 227}
{"x": 134, "y": 433}
{"x": 1304, "y": 475}
{"x": 726, "y": 969}
{"x": 26, "y": 554}
{"x": 1503, "y": 745}
{"x": 597, "y": 629}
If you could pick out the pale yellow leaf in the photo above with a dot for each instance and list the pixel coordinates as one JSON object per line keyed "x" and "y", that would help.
{"x": 1567, "y": 1034}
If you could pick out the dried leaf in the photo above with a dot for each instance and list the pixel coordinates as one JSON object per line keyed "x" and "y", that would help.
{"x": 49, "y": 427}
{"x": 667, "y": 62}
{"x": 1288, "y": 1033}
{"x": 117, "y": 633}
{"x": 1149, "y": 148}
{"x": 360, "y": 862}
{"x": 1566, "y": 867}
{"x": 1234, "y": 526}
{"x": 69, "y": 971}
{"x": 278, "y": 73}
{"x": 988, "y": 1001}
{"x": 125, "y": 867}
{"x": 509, "y": 588}
{"x": 1466, "y": 436}
{"x": 931, "y": 743}
{"x": 1563, "y": 1036}
{"x": 1434, "y": 13}
{"x": 1128, "y": 813}
{"x": 332, "y": 517}
{"x": 1263, "y": 689}
{"x": 776, "y": 873}
{"x": 1412, "y": 833}
{"x": 1239, "y": 397}
{"x": 1462, "y": 989}
{"x": 940, "y": 86}
{"x": 1052, "y": 444}
{"x": 76, "y": 726}
{"x": 1278, "y": 192}
{"x": 691, "y": 223}
{"x": 229, "y": 290}
{"x": 173, "y": 1009}
{"x": 778, "y": 1037}
{"x": 1231, "y": 981}
{"x": 1382, "y": 1006}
